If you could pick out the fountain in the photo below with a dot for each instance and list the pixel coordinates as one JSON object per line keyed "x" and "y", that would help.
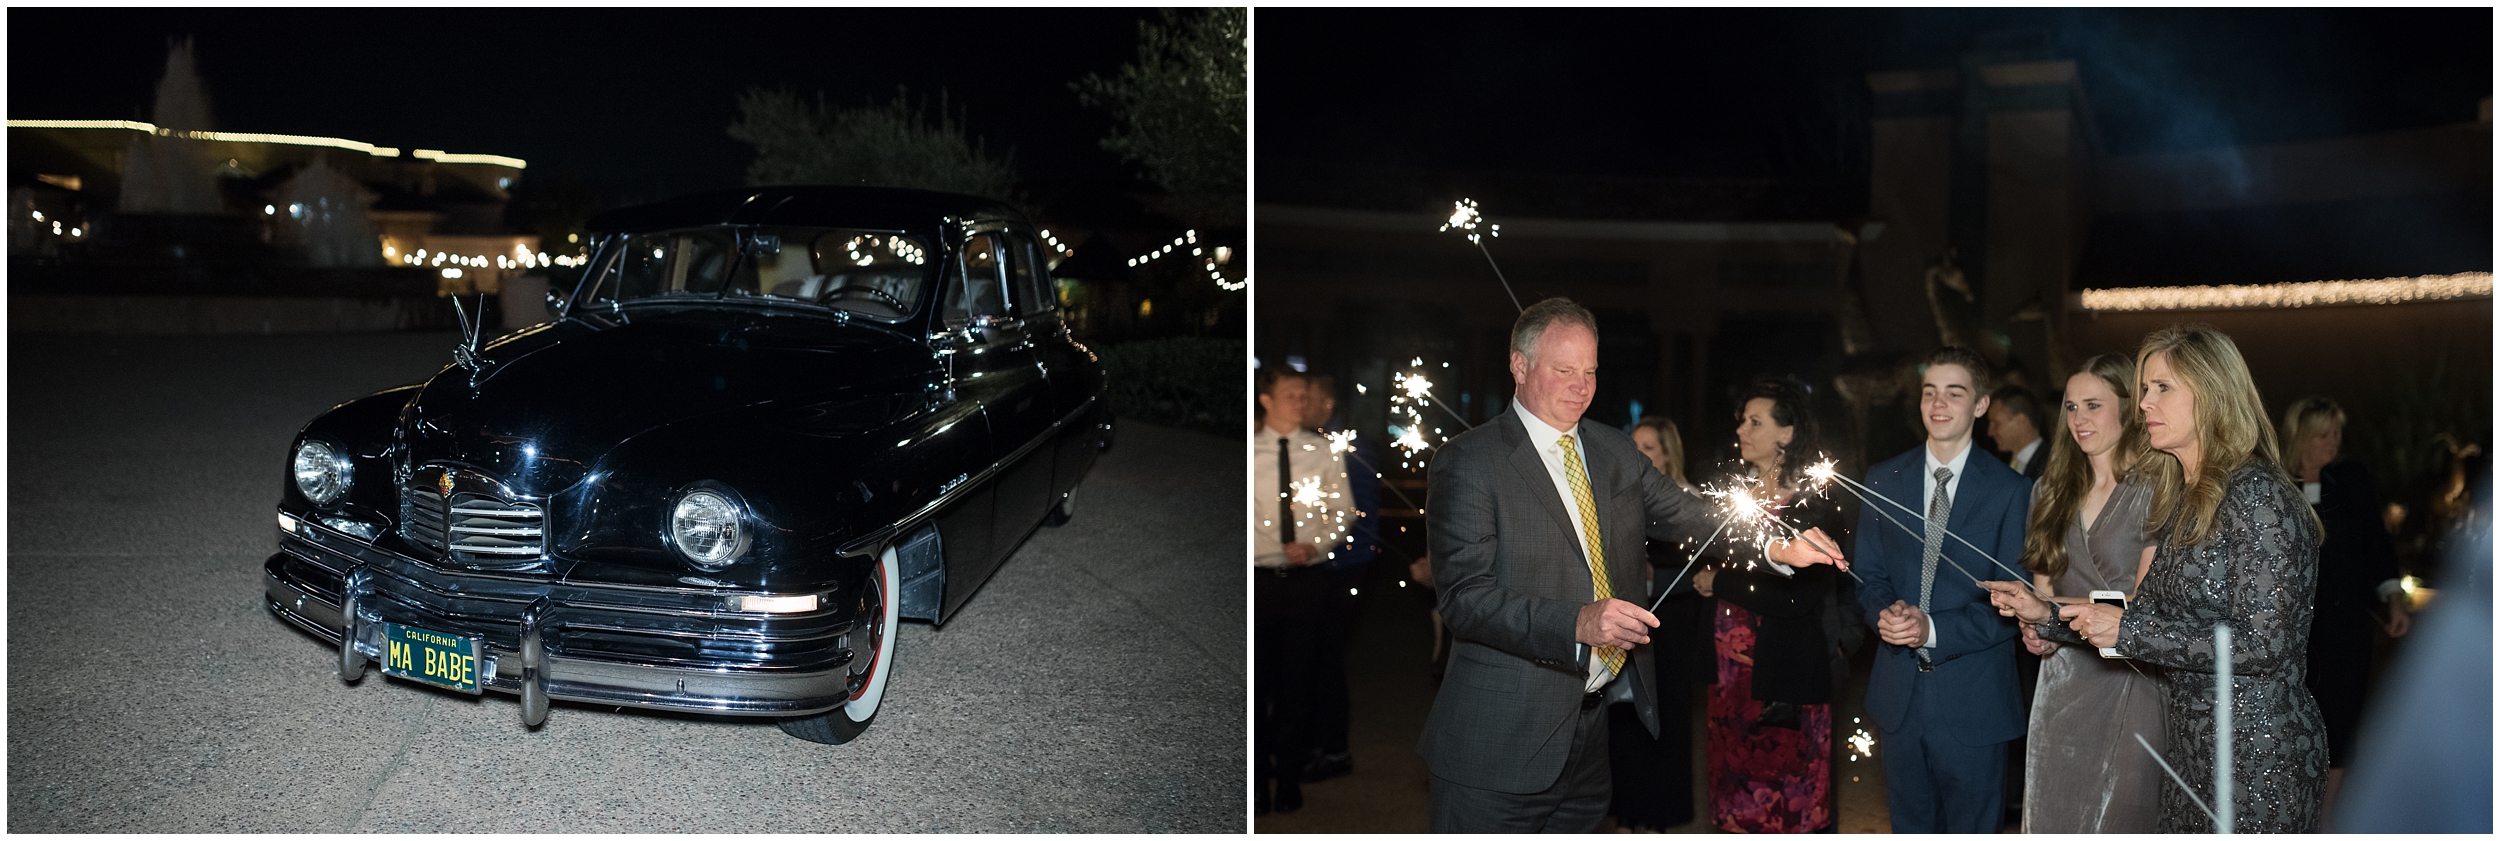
{"x": 172, "y": 174}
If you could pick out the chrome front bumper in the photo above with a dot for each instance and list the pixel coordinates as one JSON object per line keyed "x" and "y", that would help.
{"x": 542, "y": 640}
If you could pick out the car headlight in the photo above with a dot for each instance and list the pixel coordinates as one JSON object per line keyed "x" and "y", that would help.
{"x": 709, "y": 528}
{"x": 320, "y": 472}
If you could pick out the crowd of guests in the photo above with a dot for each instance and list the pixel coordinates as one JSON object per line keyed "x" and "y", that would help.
{"x": 2034, "y": 615}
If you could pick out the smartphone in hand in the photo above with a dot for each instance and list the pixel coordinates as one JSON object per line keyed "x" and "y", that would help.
{"x": 2115, "y": 599}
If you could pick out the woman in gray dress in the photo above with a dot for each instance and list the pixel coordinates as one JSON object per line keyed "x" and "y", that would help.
{"x": 2239, "y": 547}
{"x": 2084, "y": 770}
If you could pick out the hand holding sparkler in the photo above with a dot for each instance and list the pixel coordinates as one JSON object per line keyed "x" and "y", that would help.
{"x": 1812, "y": 546}
{"x": 1613, "y": 622}
{"x": 2015, "y": 599}
{"x": 2096, "y": 622}
{"x": 1902, "y": 624}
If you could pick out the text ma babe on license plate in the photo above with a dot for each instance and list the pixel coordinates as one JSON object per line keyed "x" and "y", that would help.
{"x": 445, "y": 660}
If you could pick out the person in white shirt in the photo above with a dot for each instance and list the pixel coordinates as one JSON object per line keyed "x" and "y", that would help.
{"x": 1943, "y": 686}
{"x": 1300, "y": 512}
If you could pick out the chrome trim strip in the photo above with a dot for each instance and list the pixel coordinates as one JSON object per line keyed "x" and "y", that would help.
{"x": 514, "y": 512}
{"x": 499, "y": 550}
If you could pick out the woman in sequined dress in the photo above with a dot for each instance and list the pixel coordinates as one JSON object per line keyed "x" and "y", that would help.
{"x": 1770, "y": 728}
{"x": 2083, "y": 769}
{"x": 2239, "y": 547}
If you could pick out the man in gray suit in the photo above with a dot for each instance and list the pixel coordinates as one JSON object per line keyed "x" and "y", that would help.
{"x": 1536, "y": 521}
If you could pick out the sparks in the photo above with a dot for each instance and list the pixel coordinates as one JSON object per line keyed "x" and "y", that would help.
{"x": 1416, "y": 387}
{"x": 1819, "y": 475}
{"x": 1306, "y": 491}
{"x": 1412, "y": 442}
{"x": 1340, "y": 442}
{"x": 1864, "y": 743}
{"x": 1464, "y": 216}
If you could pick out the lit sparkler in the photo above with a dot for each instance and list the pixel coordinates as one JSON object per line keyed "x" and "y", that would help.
{"x": 1340, "y": 443}
{"x": 1412, "y": 441}
{"x": 1861, "y": 743}
{"x": 1306, "y": 491}
{"x": 1465, "y": 216}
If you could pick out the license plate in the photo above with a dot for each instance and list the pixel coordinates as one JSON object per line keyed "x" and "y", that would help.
{"x": 441, "y": 659}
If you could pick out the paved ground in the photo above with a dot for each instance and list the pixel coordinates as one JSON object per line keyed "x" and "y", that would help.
{"x": 1096, "y": 684}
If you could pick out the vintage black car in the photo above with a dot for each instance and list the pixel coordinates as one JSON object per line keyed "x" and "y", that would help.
{"x": 766, "y": 425}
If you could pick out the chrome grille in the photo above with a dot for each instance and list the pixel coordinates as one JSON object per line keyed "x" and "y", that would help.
{"x": 475, "y": 530}
{"x": 422, "y": 515}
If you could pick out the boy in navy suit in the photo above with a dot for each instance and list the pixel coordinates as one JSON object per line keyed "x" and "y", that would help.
{"x": 1943, "y": 687}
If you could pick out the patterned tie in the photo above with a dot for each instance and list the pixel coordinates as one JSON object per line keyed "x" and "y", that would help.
{"x": 1595, "y": 538}
{"x": 1284, "y": 489}
{"x": 1939, "y": 508}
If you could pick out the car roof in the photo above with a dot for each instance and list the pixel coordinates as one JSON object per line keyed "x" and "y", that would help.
{"x": 875, "y": 208}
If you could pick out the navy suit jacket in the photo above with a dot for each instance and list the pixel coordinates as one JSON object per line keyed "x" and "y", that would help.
{"x": 1977, "y": 700}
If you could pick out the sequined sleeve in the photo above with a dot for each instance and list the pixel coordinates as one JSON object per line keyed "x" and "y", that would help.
{"x": 2256, "y": 571}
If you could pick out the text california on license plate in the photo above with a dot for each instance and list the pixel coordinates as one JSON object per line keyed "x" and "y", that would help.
{"x": 435, "y": 657}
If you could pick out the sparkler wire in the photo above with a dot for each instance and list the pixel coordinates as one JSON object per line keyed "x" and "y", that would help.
{"x": 2174, "y": 777}
{"x": 1688, "y": 567}
{"x": 1852, "y": 486}
{"x": 1497, "y": 275}
{"x": 1444, "y": 405}
{"x": 2222, "y": 728}
{"x": 1914, "y": 533}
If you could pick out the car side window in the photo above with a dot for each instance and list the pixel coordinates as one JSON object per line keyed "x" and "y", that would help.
{"x": 1025, "y": 283}
{"x": 983, "y": 281}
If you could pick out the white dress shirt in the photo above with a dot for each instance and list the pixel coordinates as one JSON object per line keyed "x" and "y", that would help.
{"x": 2022, "y": 457}
{"x": 1952, "y": 491}
{"x": 1323, "y": 524}
{"x": 1548, "y": 443}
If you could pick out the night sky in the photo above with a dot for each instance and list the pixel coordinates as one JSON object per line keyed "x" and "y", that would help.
{"x": 1781, "y": 93}
{"x": 635, "y": 100}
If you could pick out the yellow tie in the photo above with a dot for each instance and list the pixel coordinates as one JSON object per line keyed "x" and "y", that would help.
{"x": 1595, "y": 538}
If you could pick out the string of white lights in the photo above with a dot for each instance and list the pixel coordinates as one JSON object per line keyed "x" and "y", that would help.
{"x": 1056, "y": 245}
{"x": 2324, "y": 293}
{"x": 435, "y": 155}
{"x": 1213, "y": 263}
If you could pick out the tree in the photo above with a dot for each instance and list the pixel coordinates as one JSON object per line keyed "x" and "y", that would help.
{"x": 1182, "y": 111}
{"x": 802, "y": 141}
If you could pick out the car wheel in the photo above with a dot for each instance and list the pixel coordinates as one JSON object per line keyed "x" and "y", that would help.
{"x": 1060, "y": 513}
{"x": 872, "y": 664}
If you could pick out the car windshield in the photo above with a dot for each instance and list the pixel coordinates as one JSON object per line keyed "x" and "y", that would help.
{"x": 878, "y": 274}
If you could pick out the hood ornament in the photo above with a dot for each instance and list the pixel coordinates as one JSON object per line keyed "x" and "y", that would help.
{"x": 464, "y": 354}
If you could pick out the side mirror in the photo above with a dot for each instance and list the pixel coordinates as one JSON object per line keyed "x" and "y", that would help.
{"x": 555, "y": 302}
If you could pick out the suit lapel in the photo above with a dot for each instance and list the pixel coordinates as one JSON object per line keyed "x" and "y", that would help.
{"x": 1966, "y": 510}
{"x": 1531, "y": 468}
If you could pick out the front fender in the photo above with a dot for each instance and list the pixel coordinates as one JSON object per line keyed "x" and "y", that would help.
{"x": 807, "y": 494}
{"x": 363, "y": 428}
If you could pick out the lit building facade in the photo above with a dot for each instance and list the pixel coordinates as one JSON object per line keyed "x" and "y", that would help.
{"x": 449, "y": 207}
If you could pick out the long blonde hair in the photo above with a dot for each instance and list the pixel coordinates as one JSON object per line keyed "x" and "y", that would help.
{"x": 1669, "y": 442}
{"x": 2304, "y": 420}
{"x": 2231, "y": 429}
{"x": 2067, "y": 479}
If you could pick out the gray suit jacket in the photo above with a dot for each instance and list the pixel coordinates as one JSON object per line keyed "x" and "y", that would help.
{"x": 1512, "y": 581}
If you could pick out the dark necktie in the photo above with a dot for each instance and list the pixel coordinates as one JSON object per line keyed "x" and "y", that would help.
{"x": 1939, "y": 510}
{"x": 1284, "y": 489}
